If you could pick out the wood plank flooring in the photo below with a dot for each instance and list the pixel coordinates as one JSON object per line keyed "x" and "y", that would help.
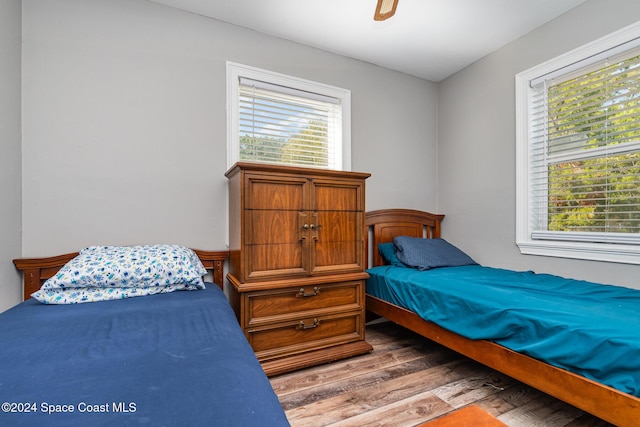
{"x": 408, "y": 380}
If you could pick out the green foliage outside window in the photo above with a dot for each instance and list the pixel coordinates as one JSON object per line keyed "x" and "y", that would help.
{"x": 594, "y": 151}
{"x": 307, "y": 147}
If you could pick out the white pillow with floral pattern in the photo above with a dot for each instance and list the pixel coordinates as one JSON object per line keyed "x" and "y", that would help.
{"x": 102, "y": 273}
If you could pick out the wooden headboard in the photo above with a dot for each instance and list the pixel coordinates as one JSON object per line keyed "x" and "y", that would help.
{"x": 383, "y": 225}
{"x": 37, "y": 270}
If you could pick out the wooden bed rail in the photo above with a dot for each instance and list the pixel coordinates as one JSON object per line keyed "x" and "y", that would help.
{"x": 612, "y": 405}
{"x": 37, "y": 270}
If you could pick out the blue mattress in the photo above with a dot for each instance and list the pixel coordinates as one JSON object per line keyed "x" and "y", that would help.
{"x": 587, "y": 328}
{"x": 177, "y": 359}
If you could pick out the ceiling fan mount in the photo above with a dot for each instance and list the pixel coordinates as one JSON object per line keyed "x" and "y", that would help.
{"x": 385, "y": 9}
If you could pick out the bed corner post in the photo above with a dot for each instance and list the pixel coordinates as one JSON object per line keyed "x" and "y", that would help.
{"x": 31, "y": 282}
{"x": 214, "y": 261}
{"x": 218, "y": 273}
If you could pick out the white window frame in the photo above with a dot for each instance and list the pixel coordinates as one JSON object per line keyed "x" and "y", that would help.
{"x": 236, "y": 71}
{"x": 547, "y": 244}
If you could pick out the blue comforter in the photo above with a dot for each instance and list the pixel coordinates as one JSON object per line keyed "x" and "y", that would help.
{"x": 177, "y": 359}
{"x": 587, "y": 328}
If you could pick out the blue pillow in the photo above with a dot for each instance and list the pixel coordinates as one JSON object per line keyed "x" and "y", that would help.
{"x": 425, "y": 254}
{"x": 388, "y": 252}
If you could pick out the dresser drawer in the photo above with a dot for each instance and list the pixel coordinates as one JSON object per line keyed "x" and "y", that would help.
{"x": 276, "y": 305}
{"x": 305, "y": 334}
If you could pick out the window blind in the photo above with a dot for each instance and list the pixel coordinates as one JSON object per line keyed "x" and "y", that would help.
{"x": 285, "y": 125}
{"x": 585, "y": 153}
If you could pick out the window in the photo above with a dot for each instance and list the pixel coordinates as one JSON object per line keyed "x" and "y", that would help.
{"x": 578, "y": 150}
{"x": 274, "y": 118}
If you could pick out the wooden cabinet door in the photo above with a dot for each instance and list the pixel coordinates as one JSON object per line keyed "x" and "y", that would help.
{"x": 289, "y": 224}
{"x": 276, "y": 209}
{"x": 337, "y": 228}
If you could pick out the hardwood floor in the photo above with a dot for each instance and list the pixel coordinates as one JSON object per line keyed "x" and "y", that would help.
{"x": 408, "y": 380}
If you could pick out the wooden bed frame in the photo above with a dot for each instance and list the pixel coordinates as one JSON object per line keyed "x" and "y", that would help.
{"x": 605, "y": 402}
{"x": 37, "y": 270}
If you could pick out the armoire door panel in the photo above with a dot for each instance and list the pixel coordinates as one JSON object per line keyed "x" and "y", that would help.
{"x": 332, "y": 195}
{"x": 272, "y": 227}
{"x": 267, "y": 261}
{"x": 338, "y": 226}
{"x": 276, "y": 193}
{"x": 339, "y": 256}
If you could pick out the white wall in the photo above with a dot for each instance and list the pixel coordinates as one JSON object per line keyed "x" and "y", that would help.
{"x": 476, "y": 125}
{"x": 10, "y": 178}
{"x": 124, "y": 123}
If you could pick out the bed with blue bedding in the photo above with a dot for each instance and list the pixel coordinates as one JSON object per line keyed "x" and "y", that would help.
{"x": 576, "y": 340}
{"x": 157, "y": 357}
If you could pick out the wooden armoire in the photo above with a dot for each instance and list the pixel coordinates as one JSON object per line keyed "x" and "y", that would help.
{"x": 296, "y": 266}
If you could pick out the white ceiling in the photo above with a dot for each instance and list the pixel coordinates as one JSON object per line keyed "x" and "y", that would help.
{"x": 431, "y": 39}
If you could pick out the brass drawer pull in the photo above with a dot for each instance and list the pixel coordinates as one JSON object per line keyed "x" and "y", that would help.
{"x": 302, "y": 325}
{"x": 301, "y": 292}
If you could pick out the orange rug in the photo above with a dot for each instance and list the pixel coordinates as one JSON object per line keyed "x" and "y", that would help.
{"x": 469, "y": 416}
